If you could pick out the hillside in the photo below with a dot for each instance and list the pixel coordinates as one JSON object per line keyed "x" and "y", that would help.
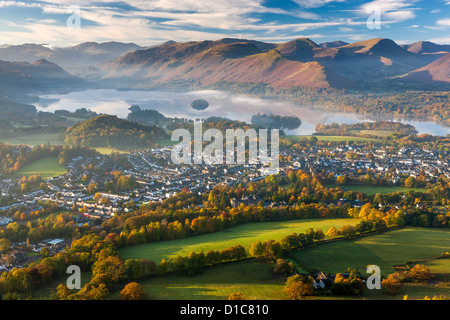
{"x": 210, "y": 62}
{"x": 437, "y": 72}
{"x": 69, "y": 58}
{"x": 110, "y": 131}
{"x": 40, "y": 75}
{"x": 297, "y": 63}
{"x": 300, "y": 62}
{"x": 333, "y": 44}
{"x": 426, "y": 47}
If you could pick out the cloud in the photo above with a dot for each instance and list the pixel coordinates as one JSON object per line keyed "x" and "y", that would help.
{"x": 443, "y": 22}
{"x": 391, "y": 10}
{"x": 343, "y": 29}
{"x": 5, "y": 4}
{"x": 444, "y": 40}
{"x": 314, "y": 3}
{"x": 149, "y": 22}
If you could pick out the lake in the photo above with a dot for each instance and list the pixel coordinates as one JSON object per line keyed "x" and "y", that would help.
{"x": 221, "y": 104}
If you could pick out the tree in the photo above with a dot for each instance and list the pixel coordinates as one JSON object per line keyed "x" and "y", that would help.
{"x": 63, "y": 292}
{"x": 341, "y": 180}
{"x": 45, "y": 252}
{"x": 282, "y": 266}
{"x": 392, "y": 284}
{"x": 332, "y": 232}
{"x": 113, "y": 266}
{"x": 236, "y": 296}
{"x": 5, "y": 244}
{"x": 347, "y": 231}
{"x": 133, "y": 291}
{"x": 272, "y": 249}
{"x": 256, "y": 249}
{"x": 94, "y": 292}
{"x": 420, "y": 272}
{"x": 298, "y": 286}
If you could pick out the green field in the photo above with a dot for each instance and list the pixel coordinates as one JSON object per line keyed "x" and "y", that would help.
{"x": 379, "y": 133}
{"x": 254, "y": 279}
{"x": 36, "y": 139}
{"x": 45, "y": 291}
{"x": 374, "y": 189}
{"x": 441, "y": 266}
{"x": 47, "y": 168}
{"x": 334, "y": 138}
{"x": 384, "y": 250}
{"x": 108, "y": 151}
{"x": 243, "y": 235}
{"x": 165, "y": 142}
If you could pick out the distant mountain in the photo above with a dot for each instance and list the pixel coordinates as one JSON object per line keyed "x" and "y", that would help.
{"x": 428, "y": 51}
{"x": 230, "y": 60}
{"x": 300, "y": 62}
{"x": 69, "y": 58}
{"x": 298, "y": 49}
{"x": 374, "y": 60}
{"x": 40, "y": 75}
{"x": 92, "y": 53}
{"x": 426, "y": 47}
{"x": 333, "y": 44}
{"x": 437, "y": 72}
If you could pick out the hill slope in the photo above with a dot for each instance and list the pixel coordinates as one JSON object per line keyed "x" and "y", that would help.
{"x": 437, "y": 72}
{"x": 210, "y": 62}
{"x": 40, "y": 75}
{"x": 69, "y": 58}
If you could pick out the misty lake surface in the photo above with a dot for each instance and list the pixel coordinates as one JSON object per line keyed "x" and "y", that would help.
{"x": 221, "y": 104}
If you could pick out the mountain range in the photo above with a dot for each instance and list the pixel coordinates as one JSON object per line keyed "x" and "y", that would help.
{"x": 70, "y": 58}
{"x": 20, "y": 77}
{"x": 300, "y": 62}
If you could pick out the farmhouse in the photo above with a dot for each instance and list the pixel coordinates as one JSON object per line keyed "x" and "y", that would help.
{"x": 321, "y": 281}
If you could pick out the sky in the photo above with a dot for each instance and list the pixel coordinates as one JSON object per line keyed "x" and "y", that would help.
{"x": 149, "y": 22}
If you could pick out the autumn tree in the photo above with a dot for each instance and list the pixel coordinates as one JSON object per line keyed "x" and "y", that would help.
{"x": 236, "y": 296}
{"x": 113, "y": 266}
{"x": 256, "y": 249}
{"x": 392, "y": 284}
{"x": 282, "y": 266}
{"x": 5, "y": 244}
{"x": 332, "y": 232}
{"x": 298, "y": 286}
{"x": 133, "y": 291}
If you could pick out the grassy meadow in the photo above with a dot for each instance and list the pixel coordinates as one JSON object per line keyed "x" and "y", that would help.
{"x": 374, "y": 189}
{"x": 333, "y": 138}
{"x": 384, "y": 250}
{"x": 35, "y": 139}
{"x": 243, "y": 235}
{"x": 46, "y": 167}
{"x": 253, "y": 278}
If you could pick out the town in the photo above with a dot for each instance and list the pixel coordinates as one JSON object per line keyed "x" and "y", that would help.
{"x": 81, "y": 190}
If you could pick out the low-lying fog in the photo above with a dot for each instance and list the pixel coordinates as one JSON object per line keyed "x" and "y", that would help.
{"x": 221, "y": 104}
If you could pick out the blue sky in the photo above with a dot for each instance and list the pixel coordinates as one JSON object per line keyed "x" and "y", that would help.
{"x": 148, "y": 22}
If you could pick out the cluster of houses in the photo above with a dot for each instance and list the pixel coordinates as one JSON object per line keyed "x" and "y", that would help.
{"x": 403, "y": 163}
{"x": 158, "y": 178}
{"x": 18, "y": 256}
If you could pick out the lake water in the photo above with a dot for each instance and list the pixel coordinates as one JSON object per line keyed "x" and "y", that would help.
{"x": 221, "y": 104}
